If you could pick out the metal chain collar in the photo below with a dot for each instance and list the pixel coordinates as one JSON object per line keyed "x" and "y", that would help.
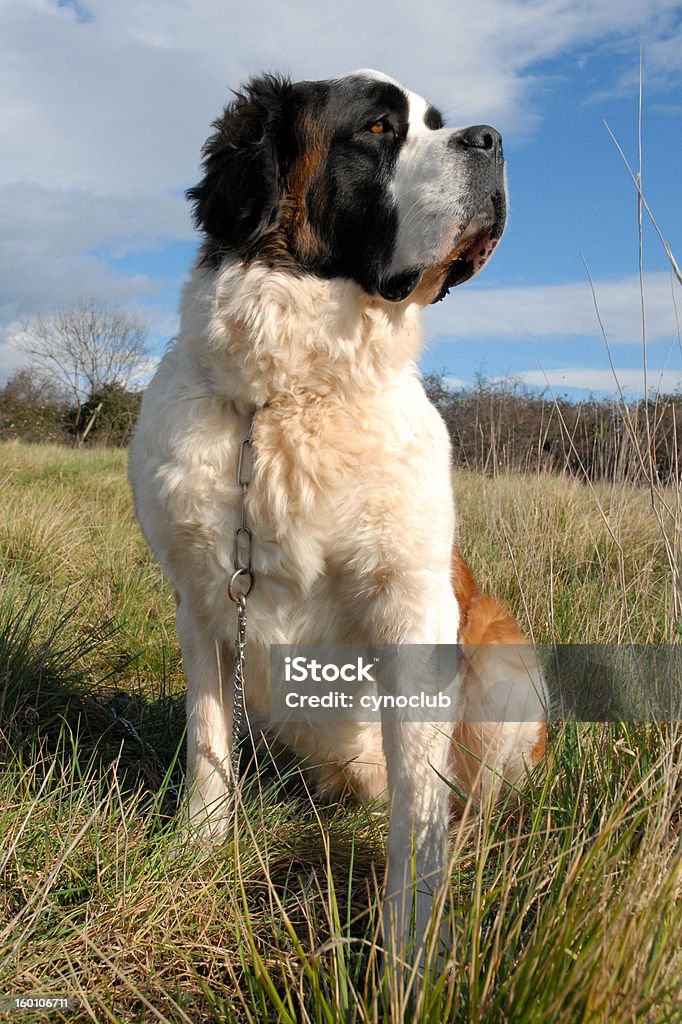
{"x": 239, "y": 588}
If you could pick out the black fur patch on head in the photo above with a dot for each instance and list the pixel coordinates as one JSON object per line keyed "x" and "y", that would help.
{"x": 433, "y": 118}
{"x": 244, "y": 162}
{"x": 350, "y": 203}
{"x": 294, "y": 175}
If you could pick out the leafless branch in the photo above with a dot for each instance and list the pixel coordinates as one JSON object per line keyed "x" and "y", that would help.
{"x": 85, "y": 348}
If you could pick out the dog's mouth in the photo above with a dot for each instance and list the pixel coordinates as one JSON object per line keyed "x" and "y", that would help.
{"x": 471, "y": 248}
{"x": 474, "y": 245}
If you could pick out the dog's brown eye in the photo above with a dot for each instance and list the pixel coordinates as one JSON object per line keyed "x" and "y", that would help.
{"x": 379, "y": 127}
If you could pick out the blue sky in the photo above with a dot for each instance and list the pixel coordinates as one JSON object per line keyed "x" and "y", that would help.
{"x": 104, "y": 107}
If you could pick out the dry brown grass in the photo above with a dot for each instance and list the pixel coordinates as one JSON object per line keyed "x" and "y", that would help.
{"x": 565, "y": 903}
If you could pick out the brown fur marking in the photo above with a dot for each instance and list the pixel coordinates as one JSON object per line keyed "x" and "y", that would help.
{"x": 484, "y": 620}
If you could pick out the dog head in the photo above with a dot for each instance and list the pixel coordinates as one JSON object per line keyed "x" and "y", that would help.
{"x": 354, "y": 177}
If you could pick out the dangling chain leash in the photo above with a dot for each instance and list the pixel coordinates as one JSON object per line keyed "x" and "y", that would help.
{"x": 239, "y": 589}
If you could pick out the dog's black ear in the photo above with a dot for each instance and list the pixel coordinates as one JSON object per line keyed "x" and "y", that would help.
{"x": 238, "y": 196}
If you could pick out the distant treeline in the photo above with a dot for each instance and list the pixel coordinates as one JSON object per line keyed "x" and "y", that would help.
{"x": 32, "y": 411}
{"x": 494, "y": 427}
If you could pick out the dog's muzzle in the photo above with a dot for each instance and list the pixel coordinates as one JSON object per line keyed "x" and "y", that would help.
{"x": 478, "y": 149}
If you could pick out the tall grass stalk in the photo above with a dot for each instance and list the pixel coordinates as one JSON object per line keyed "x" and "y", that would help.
{"x": 666, "y": 502}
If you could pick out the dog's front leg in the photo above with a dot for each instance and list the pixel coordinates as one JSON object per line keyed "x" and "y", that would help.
{"x": 416, "y": 758}
{"x": 416, "y": 753}
{"x": 209, "y": 726}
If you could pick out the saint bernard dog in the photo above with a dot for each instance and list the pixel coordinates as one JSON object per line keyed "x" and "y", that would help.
{"x": 331, "y": 212}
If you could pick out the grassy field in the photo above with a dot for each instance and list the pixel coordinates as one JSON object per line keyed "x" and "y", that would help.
{"x": 565, "y": 904}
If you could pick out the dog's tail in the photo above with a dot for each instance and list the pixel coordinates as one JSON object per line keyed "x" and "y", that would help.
{"x": 502, "y": 727}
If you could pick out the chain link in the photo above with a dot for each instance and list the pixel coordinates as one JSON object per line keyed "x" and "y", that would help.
{"x": 238, "y": 684}
{"x": 239, "y": 588}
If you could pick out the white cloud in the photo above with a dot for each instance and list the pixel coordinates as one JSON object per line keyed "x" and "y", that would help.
{"x": 661, "y": 67}
{"x": 10, "y": 358}
{"x": 560, "y": 311}
{"x": 123, "y": 99}
{"x": 629, "y": 381}
{"x": 104, "y": 106}
{"x": 455, "y": 383}
{"x": 50, "y": 239}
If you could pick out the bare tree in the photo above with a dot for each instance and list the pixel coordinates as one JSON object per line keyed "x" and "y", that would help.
{"x": 85, "y": 348}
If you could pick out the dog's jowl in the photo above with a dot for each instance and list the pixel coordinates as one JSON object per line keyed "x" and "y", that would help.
{"x": 331, "y": 212}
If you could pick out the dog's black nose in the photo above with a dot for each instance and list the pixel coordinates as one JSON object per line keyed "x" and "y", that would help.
{"x": 478, "y": 136}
